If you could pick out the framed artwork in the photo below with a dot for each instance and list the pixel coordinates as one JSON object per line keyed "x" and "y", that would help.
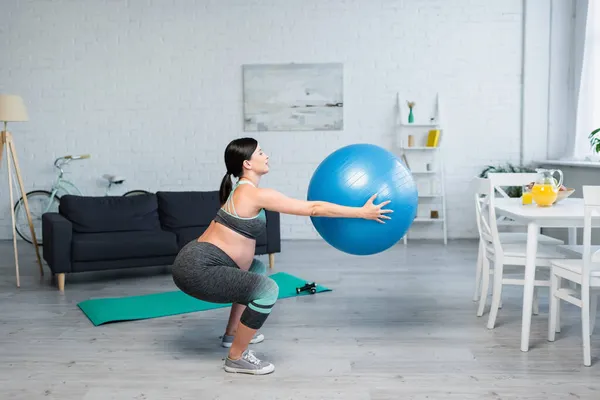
{"x": 293, "y": 97}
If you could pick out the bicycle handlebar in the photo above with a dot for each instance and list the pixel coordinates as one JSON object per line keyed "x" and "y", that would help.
{"x": 80, "y": 157}
{"x": 66, "y": 159}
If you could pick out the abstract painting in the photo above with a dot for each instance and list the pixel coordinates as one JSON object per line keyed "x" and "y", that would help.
{"x": 293, "y": 97}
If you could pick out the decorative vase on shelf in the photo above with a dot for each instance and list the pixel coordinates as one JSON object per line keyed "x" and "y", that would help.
{"x": 411, "y": 117}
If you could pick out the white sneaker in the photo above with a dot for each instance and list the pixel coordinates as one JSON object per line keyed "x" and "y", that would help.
{"x": 227, "y": 340}
{"x": 248, "y": 364}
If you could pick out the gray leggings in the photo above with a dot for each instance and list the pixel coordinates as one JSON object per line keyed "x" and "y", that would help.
{"x": 204, "y": 271}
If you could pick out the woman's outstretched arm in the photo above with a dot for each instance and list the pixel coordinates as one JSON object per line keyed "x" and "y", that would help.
{"x": 275, "y": 201}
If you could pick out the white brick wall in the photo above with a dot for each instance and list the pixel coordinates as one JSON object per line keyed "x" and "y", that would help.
{"x": 152, "y": 89}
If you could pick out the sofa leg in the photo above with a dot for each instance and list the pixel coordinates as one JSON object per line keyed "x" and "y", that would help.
{"x": 271, "y": 260}
{"x": 61, "y": 282}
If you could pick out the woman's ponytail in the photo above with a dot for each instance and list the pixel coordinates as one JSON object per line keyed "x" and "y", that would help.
{"x": 225, "y": 189}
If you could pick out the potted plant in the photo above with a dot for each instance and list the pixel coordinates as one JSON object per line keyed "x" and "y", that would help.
{"x": 594, "y": 138}
{"x": 512, "y": 191}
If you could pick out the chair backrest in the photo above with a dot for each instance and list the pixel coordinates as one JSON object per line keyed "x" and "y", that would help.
{"x": 591, "y": 200}
{"x": 486, "y": 216}
{"x": 481, "y": 188}
{"x": 502, "y": 180}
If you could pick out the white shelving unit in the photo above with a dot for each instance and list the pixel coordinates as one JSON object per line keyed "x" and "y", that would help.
{"x": 426, "y": 164}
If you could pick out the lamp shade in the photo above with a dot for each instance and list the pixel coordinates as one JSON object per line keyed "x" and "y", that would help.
{"x": 12, "y": 108}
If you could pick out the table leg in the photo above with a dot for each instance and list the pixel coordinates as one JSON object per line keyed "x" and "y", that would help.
{"x": 573, "y": 242}
{"x": 533, "y": 231}
{"x": 572, "y": 236}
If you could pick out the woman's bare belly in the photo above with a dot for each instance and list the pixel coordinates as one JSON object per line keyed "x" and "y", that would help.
{"x": 240, "y": 248}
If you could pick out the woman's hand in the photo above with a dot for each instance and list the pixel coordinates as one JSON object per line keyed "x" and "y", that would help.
{"x": 375, "y": 212}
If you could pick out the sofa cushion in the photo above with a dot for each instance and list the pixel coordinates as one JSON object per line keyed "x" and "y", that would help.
{"x": 186, "y": 235}
{"x": 187, "y": 209}
{"x": 111, "y": 213}
{"x": 123, "y": 245}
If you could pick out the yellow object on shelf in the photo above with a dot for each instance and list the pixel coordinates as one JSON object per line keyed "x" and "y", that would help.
{"x": 433, "y": 138}
{"x": 527, "y": 198}
{"x": 545, "y": 194}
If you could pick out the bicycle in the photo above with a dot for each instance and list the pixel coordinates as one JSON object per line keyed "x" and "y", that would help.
{"x": 43, "y": 201}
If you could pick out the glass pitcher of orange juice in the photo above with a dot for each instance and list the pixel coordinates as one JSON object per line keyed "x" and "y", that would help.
{"x": 545, "y": 188}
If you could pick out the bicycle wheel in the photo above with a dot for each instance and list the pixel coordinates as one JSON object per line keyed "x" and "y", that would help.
{"x": 39, "y": 203}
{"x": 135, "y": 193}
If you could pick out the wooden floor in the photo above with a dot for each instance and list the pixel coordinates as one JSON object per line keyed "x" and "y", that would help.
{"x": 398, "y": 325}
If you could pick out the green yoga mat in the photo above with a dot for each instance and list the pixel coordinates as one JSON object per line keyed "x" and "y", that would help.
{"x": 102, "y": 311}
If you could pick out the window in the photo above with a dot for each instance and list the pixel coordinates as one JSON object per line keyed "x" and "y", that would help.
{"x": 587, "y": 81}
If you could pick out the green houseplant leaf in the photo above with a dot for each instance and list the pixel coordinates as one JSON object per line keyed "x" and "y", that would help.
{"x": 594, "y": 138}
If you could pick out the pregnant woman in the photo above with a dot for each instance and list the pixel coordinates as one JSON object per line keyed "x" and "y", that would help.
{"x": 220, "y": 267}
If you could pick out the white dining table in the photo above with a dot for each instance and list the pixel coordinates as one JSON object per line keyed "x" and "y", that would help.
{"x": 568, "y": 213}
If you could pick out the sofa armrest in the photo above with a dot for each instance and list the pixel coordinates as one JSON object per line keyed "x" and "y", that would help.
{"x": 57, "y": 234}
{"x": 273, "y": 232}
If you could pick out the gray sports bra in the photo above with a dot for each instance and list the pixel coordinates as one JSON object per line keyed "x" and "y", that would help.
{"x": 251, "y": 227}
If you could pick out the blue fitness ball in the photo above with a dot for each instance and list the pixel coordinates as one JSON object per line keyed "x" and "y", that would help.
{"x": 350, "y": 176}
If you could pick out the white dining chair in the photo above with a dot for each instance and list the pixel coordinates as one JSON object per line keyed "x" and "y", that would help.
{"x": 500, "y": 255}
{"x": 490, "y": 187}
{"x": 584, "y": 272}
{"x": 576, "y": 250}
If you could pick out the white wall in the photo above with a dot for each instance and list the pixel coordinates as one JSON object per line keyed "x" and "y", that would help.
{"x": 152, "y": 89}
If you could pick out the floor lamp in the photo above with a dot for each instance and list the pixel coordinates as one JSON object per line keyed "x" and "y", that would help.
{"x": 12, "y": 109}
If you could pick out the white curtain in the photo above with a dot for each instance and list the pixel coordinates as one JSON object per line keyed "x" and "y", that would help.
{"x": 586, "y": 74}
